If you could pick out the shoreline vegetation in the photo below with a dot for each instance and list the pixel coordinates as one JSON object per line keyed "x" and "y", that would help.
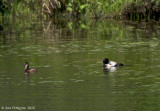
{"x": 136, "y": 10}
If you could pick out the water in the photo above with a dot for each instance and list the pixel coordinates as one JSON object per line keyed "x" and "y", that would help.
{"x": 70, "y": 77}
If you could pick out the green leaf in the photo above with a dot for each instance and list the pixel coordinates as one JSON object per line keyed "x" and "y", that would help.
{"x": 82, "y": 6}
{"x": 69, "y": 9}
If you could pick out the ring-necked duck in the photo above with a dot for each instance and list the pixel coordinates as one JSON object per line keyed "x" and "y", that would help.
{"x": 110, "y": 66}
{"x": 107, "y": 63}
{"x": 29, "y": 70}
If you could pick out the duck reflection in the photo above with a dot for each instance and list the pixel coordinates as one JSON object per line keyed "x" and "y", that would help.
{"x": 27, "y": 75}
{"x": 109, "y": 69}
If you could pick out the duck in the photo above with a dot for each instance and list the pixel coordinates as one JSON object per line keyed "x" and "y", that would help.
{"x": 29, "y": 70}
{"x": 108, "y": 64}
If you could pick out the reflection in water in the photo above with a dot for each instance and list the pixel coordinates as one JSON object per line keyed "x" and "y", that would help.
{"x": 1, "y": 28}
{"x": 111, "y": 69}
{"x": 70, "y": 73}
{"x": 27, "y": 75}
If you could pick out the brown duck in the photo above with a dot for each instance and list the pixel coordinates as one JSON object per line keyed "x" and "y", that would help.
{"x": 29, "y": 70}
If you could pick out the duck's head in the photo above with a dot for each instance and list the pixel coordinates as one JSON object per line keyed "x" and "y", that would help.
{"x": 26, "y": 66}
{"x": 105, "y": 61}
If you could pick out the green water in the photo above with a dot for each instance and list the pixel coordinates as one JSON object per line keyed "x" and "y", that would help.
{"x": 70, "y": 77}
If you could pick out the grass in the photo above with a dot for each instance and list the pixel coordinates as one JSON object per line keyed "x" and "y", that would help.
{"x": 117, "y": 9}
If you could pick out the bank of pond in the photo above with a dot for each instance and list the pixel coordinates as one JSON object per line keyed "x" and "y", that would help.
{"x": 131, "y": 10}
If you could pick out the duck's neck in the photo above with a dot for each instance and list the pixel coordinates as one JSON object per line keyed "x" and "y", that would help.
{"x": 26, "y": 67}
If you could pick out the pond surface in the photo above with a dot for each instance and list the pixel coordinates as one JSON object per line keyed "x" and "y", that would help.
{"x": 69, "y": 55}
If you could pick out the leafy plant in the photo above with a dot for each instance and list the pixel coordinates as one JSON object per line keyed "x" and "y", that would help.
{"x": 77, "y": 7}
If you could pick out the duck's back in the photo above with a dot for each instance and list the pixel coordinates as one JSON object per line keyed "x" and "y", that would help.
{"x": 112, "y": 63}
{"x": 33, "y": 70}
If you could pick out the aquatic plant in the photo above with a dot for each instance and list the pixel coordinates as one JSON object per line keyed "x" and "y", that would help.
{"x": 142, "y": 9}
{"x": 117, "y": 9}
{"x": 21, "y": 8}
{"x": 4, "y": 7}
{"x": 51, "y": 7}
